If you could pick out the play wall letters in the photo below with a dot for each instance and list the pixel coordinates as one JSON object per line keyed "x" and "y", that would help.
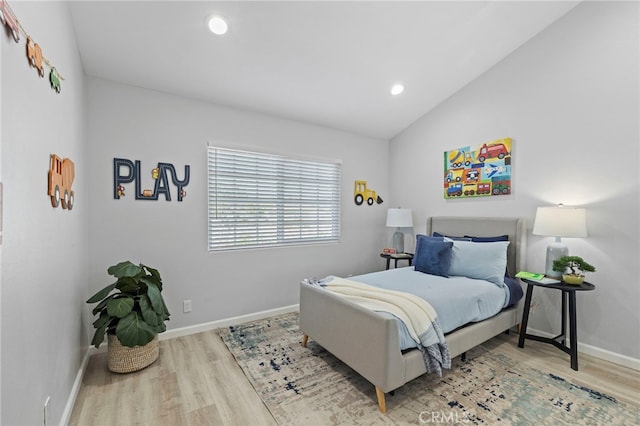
{"x": 127, "y": 171}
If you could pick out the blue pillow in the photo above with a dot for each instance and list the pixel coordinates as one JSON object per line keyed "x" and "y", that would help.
{"x": 421, "y": 236}
{"x": 488, "y": 239}
{"x": 432, "y": 256}
{"x": 483, "y": 261}
{"x": 491, "y": 240}
{"x": 515, "y": 290}
{"x": 439, "y": 235}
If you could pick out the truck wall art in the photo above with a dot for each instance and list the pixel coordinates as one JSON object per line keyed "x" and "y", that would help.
{"x": 61, "y": 175}
{"x": 479, "y": 171}
{"x": 361, "y": 194}
{"x": 127, "y": 171}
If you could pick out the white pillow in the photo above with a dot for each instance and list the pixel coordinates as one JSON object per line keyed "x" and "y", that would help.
{"x": 483, "y": 261}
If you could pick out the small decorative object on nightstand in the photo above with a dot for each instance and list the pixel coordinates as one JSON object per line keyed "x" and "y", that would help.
{"x": 572, "y": 269}
{"x": 560, "y": 340}
{"x": 396, "y": 257}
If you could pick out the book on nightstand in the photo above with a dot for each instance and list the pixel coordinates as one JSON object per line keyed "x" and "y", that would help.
{"x": 533, "y": 276}
{"x": 403, "y": 255}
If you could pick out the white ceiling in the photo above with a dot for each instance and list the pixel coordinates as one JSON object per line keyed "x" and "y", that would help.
{"x": 328, "y": 63}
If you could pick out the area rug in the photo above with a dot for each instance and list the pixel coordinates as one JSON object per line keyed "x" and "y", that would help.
{"x": 309, "y": 386}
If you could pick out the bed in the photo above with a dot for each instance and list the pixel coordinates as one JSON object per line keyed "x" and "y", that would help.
{"x": 369, "y": 342}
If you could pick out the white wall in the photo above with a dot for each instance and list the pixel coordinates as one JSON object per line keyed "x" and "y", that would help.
{"x": 1, "y": 222}
{"x": 150, "y": 126}
{"x": 569, "y": 99}
{"x": 44, "y": 250}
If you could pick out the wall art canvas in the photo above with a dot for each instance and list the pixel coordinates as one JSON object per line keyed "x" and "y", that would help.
{"x": 478, "y": 171}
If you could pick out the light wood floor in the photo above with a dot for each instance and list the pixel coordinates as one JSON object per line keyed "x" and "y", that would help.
{"x": 196, "y": 381}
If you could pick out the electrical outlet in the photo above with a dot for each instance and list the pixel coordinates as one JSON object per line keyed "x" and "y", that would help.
{"x": 47, "y": 408}
{"x": 186, "y": 306}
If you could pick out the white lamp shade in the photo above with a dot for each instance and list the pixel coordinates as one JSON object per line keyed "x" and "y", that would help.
{"x": 560, "y": 222}
{"x": 399, "y": 218}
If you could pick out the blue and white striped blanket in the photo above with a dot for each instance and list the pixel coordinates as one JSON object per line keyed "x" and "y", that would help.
{"x": 416, "y": 313}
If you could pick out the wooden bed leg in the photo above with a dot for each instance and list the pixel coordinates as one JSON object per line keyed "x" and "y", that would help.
{"x": 518, "y": 328}
{"x": 381, "y": 402}
{"x": 305, "y": 339}
{"x": 463, "y": 356}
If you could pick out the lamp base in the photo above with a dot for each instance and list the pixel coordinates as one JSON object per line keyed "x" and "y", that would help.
{"x": 398, "y": 241}
{"x": 555, "y": 251}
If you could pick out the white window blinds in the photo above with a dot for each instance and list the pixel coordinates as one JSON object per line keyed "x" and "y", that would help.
{"x": 261, "y": 200}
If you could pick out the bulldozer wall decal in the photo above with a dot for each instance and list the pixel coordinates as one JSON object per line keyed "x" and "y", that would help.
{"x": 478, "y": 172}
{"x": 126, "y": 171}
{"x": 362, "y": 193}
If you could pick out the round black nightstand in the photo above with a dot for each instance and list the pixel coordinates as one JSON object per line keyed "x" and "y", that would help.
{"x": 568, "y": 290}
{"x": 396, "y": 257}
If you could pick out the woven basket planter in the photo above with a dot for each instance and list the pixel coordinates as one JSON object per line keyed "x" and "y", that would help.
{"x": 124, "y": 359}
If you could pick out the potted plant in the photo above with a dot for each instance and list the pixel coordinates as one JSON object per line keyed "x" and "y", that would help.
{"x": 131, "y": 312}
{"x": 572, "y": 269}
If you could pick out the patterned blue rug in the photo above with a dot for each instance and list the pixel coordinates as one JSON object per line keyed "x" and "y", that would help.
{"x": 309, "y": 386}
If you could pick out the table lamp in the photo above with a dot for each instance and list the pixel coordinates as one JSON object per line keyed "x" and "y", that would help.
{"x": 399, "y": 218}
{"x": 559, "y": 222}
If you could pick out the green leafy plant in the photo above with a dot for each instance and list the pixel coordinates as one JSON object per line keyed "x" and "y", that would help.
{"x": 575, "y": 264}
{"x": 132, "y": 308}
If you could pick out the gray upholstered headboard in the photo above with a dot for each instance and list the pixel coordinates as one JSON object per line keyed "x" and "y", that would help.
{"x": 515, "y": 228}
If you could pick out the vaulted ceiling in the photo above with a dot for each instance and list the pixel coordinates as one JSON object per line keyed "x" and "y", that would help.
{"x": 330, "y": 63}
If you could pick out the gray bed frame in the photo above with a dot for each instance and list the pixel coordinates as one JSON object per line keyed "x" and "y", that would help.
{"x": 368, "y": 342}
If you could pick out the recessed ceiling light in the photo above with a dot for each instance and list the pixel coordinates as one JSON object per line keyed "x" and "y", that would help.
{"x": 218, "y": 25}
{"x": 397, "y": 88}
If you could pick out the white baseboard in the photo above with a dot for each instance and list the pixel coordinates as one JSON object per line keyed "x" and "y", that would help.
{"x": 199, "y": 328}
{"x": 77, "y": 383}
{"x": 613, "y": 357}
{"x": 624, "y": 360}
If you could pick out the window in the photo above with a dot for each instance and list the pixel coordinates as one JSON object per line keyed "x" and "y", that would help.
{"x": 264, "y": 200}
